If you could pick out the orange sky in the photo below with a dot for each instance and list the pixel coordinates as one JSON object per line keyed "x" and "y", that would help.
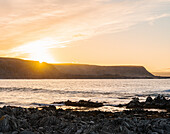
{"x": 103, "y": 32}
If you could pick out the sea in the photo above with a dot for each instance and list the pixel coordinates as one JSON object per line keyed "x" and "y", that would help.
{"x": 37, "y": 92}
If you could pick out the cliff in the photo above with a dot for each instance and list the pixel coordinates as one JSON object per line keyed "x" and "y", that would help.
{"x": 11, "y": 68}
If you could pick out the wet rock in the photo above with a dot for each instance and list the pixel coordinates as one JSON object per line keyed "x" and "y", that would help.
{"x": 159, "y": 98}
{"x": 8, "y": 123}
{"x": 135, "y": 100}
{"x": 149, "y": 99}
{"x": 134, "y": 103}
{"x": 83, "y": 103}
{"x": 159, "y": 102}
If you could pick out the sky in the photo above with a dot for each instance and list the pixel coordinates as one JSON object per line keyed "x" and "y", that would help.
{"x": 100, "y": 32}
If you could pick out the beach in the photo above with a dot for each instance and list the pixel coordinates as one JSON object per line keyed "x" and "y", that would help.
{"x": 84, "y": 106}
{"x": 49, "y": 120}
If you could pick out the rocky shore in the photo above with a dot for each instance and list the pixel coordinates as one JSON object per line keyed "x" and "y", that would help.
{"x": 159, "y": 102}
{"x": 81, "y": 103}
{"x": 49, "y": 120}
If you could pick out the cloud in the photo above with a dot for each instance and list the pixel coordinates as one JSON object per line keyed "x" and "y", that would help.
{"x": 24, "y": 22}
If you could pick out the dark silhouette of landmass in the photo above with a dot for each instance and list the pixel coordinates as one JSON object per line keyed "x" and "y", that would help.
{"x": 11, "y": 68}
{"x": 93, "y": 71}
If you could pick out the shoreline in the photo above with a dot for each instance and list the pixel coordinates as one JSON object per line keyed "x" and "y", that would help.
{"x": 49, "y": 120}
{"x": 57, "y": 121}
{"x": 155, "y": 77}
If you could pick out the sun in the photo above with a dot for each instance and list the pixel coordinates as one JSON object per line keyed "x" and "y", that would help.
{"x": 41, "y": 55}
{"x": 40, "y": 52}
{"x": 37, "y": 51}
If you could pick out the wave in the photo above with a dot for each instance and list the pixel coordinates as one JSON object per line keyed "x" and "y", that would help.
{"x": 113, "y": 94}
{"x": 9, "y": 89}
{"x": 40, "y": 90}
{"x": 166, "y": 90}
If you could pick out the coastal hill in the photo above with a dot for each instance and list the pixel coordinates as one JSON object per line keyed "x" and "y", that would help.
{"x": 83, "y": 70}
{"x": 11, "y": 68}
{"x": 23, "y": 69}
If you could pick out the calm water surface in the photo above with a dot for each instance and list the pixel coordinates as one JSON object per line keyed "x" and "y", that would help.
{"x": 112, "y": 91}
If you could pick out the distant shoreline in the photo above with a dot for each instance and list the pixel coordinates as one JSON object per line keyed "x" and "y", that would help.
{"x": 156, "y": 77}
{"x": 23, "y": 69}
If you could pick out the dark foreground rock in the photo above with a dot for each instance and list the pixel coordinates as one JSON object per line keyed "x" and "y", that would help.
{"x": 49, "y": 120}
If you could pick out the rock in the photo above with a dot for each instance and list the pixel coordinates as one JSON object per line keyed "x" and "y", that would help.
{"x": 126, "y": 124}
{"x": 91, "y": 122}
{"x": 24, "y": 124}
{"x": 26, "y": 132}
{"x": 48, "y": 121}
{"x": 93, "y": 132}
{"x": 15, "y": 132}
{"x": 135, "y": 99}
{"x": 34, "y": 116}
{"x": 8, "y": 123}
{"x": 149, "y": 99}
{"x": 53, "y": 108}
{"x": 167, "y": 127}
{"x": 41, "y": 128}
{"x": 79, "y": 131}
{"x": 159, "y": 102}
{"x": 126, "y": 130}
{"x": 22, "y": 129}
{"x": 83, "y": 103}
{"x": 1, "y": 113}
{"x": 154, "y": 133}
{"x": 159, "y": 98}
{"x": 134, "y": 103}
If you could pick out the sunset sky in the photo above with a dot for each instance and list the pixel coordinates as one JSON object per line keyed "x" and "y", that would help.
{"x": 102, "y": 32}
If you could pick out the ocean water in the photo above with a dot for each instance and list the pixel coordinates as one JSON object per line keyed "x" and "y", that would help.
{"x": 113, "y": 91}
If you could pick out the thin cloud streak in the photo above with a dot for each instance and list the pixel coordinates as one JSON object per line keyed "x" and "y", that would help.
{"x": 25, "y": 22}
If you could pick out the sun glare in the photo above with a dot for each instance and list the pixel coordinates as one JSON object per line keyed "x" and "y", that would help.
{"x": 41, "y": 55}
{"x": 38, "y": 51}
